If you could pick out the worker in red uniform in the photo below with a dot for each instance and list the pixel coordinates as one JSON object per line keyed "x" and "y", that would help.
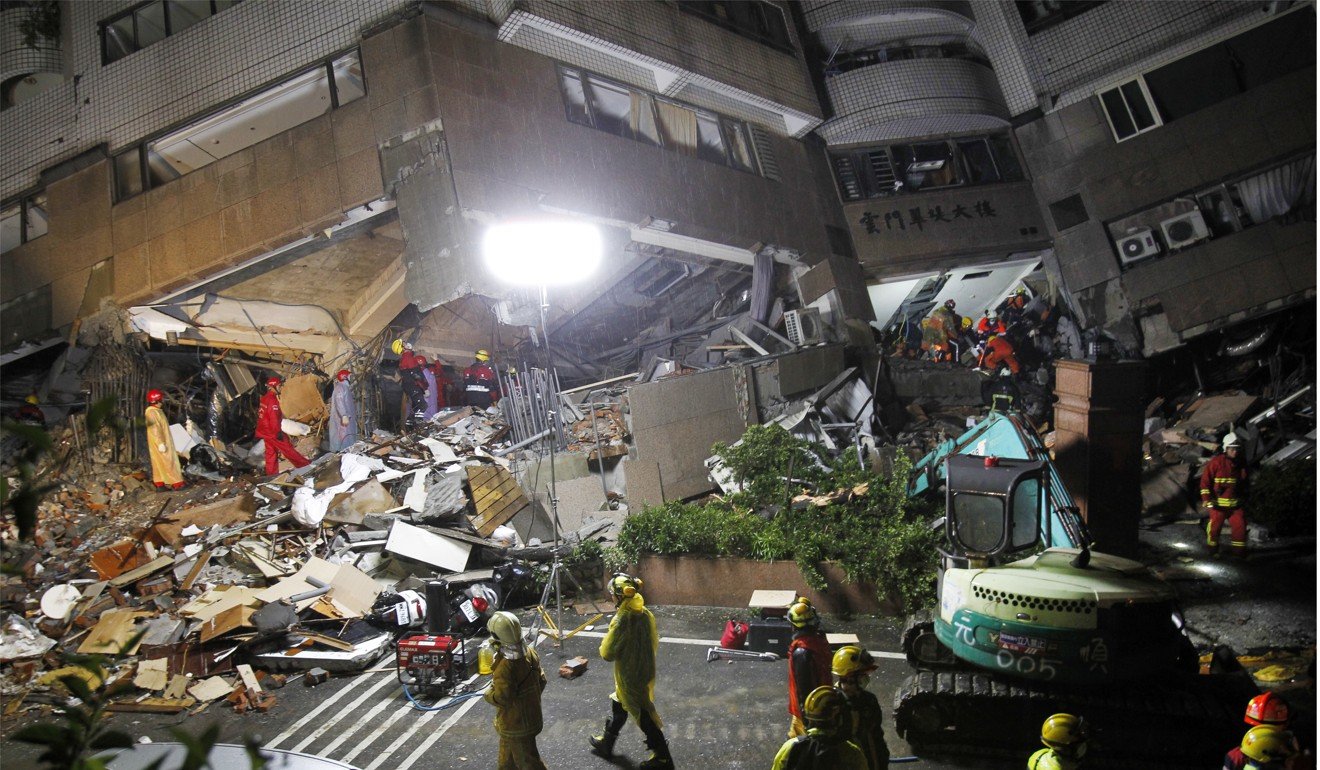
{"x": 269, "y": 430}
{"x": 989, "y": 324}
{"x": 999, "y": 353}
{"x": 444, "y": 384}
{"x": 1223, "y": 484}
{"x": 809, "y": 661}
{"x": 481, "y": 386}
{"x": 1271, "y": 710}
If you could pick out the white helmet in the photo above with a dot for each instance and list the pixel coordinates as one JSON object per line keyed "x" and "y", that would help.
{"x": 991, "y": 314}
{"x": 1231, "y": 441}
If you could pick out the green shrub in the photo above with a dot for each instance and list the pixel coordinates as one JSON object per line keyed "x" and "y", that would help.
{"x": 878, "y": 537}
{"x": 1282, "y": 498}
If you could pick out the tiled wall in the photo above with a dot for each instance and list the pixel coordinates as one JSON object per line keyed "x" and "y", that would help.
{"x": 927, "y": 96}
{"x": 223, "y": 57}
{"x": 18, "y": 59}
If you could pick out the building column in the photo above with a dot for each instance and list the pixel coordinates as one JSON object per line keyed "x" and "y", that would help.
{"x": 1097, "y": 447}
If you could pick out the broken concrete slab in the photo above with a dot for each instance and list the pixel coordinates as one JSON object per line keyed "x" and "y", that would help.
{"x": 415, "y": 543}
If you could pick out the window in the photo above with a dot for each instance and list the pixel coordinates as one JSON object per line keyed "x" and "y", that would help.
{"x": 1043, "y": 14}
{"x": 1211, "y": 75}
{"x": 876, "y": 172}
{"x": 307, "y": 95}
{"x": 605, "y": 105}
{"x": 1130, "y": 109}
{"x": 846, "y": 61}
{"x": 152, "y": 22}
{"x": 22, "y": 220}
{"x": 756, "y": 19}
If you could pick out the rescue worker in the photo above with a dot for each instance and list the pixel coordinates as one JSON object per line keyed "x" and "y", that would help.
{"x": 30, "y": 412}
{"x": 989, "y": 325}
{"x": 999, "y": 353}
{"x": 932, "y": 339}
{"x": 949, "y": 325}
{"x": 1264, "y": 747}
{"x": 808, "y": 660}
{"x": 443, "y": 384}
{"x": 1223, "y": 484}
{"x": 516, "y": 683}
{"x": 343, "y": 431}
{"x": 165, "y": 470}
{"x": 864, "y": 723}
{"x": 481, "y": 387}
{"x": 630, "y": 644}
{"x": 825, "y": 746}
{"x": 430, "y": 398}
{"x": 269, "y": 429}
{"x": 1015, "y": 305}
{"x": 414, "y": 387}
{"x": 407, "y": 357}
{"x": 1271, "y": 710}
{"x": 1064, "y": 736}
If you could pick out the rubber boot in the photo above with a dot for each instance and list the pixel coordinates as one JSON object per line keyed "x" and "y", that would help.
{"x": 655, "y": 741}
{"x": 603, "y": 745}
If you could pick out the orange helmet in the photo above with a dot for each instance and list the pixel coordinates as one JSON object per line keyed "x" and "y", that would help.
{"x": 155, "y": 397}
{"x": 343, "y": 375}
{"x": 1267, "y": 709}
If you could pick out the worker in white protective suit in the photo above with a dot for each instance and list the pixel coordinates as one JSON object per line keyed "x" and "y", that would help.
{"x": 343, "y": 431}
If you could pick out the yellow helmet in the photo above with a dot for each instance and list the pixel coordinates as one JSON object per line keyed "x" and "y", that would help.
{"x": 397, "y": 347}
{"x": 801, "y": 614}
{"x": 1066, "y": 734}
{"x": 624, "y": 586}
{"x": 483, "y": 355}
{"x": 824, "y": 708}
{"x": 504, "y": 626}
{"x": 850, "y": 660}
{"x": 1268, "y": 743}
{"x": 32, "y": 399}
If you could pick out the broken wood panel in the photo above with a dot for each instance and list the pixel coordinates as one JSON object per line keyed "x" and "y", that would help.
{"x": 496, "y": 496}
{"x": 113, "y": 633}
{"x": 160, "y": 563}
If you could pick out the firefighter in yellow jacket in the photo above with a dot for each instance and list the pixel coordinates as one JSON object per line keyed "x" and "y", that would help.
{"x": 515, "y": 691}
{"x": 165, "y": 471}
{"x": 631, "y": 644}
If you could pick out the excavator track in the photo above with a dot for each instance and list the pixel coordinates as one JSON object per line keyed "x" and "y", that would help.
{"x": 1179, "y": 722}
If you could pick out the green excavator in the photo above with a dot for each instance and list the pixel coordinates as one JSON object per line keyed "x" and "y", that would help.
{"x": 1030, "y": 622}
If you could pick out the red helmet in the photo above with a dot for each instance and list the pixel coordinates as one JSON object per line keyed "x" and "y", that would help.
{"x": 421, "y": 360}
{"x": 1267, "y": 709}
{"x": 155, "y": 396}
{"x": 343, "y": 375}
{"x": 273, "y": 381}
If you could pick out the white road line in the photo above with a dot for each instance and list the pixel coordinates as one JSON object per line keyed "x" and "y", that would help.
{"x": 383, "y": 729}
{"x": 716, "y": 643}
{"x": 296, "y": 726}
{"x": 421, "y": 721}
{"x": 437, "y": 735}
{"x": 364, "y": 721}
{"x": 343, "y": 713}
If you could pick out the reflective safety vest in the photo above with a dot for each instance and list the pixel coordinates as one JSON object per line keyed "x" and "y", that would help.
{"x": 1223, "y": 482}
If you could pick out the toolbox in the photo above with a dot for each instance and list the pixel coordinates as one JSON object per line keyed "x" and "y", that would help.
{"x": 769, "y": 635}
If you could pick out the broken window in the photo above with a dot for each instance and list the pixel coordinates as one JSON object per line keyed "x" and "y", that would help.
{"x": 152, "y": 22}
{"x": 879, "y": 171}
{"x": 756, "y": 19}
{"x": 22, "y": 220}
{"x": 1043, "y": 14}
{"x": 605, "y": 105}
{"x": 309, "y": 94}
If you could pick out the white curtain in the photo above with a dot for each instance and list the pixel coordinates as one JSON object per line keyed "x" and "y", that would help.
{"x": 1279, "y": 190}
{"x": 679, "y": 127}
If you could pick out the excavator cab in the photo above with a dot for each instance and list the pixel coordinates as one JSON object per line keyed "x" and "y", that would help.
{"x": 994, "y": 509}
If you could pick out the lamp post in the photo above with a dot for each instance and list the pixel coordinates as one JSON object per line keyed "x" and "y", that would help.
{"x": 545, "y": 253}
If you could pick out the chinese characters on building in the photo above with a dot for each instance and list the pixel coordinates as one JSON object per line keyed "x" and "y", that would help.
{"x": 919, "y": 216}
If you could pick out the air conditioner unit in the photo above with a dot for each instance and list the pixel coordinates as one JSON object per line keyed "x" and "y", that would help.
{"x": 1137, "y": 245}
{"x": 804, "y": 326}
{"x": 1184, "y": 229}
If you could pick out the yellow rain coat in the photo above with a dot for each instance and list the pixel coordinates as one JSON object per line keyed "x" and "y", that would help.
{"x": 631, "y": 644}
{"x": 515, "y": 692}
{"x": 164, "y": 460}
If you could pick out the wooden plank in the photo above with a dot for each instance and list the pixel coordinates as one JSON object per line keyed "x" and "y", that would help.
{"x": 198, "y": 566}
{"x": 249, "y": 678}
{"x": 496, "y": 496}
{"x": 160, "y": 563}
{"x": 112, "y": 633}
{"x": 153, "y": 705}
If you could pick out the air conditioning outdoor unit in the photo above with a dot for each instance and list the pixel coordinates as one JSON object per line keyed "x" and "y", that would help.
{"x": 1184, "y": 229}
{"x": 1137, "y": 245}
{"x": 804, "y": 326}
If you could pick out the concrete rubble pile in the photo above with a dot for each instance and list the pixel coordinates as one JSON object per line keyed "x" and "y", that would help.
{"x": 220, "y": 590}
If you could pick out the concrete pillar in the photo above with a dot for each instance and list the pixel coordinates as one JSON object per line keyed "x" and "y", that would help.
{"x": 1097, "y": 446}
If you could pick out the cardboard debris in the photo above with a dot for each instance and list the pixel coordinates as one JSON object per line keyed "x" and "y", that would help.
{"x": 152, "y": 674}
{"x": 113, "y": 633}
{"x": 210, "y": 689}
{"x": 220, "y": 599}
{"x": 232, "y": 619}
{"x": 420, "y": 545}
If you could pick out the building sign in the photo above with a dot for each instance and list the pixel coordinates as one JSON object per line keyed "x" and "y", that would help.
{"x": 934, "y": 216}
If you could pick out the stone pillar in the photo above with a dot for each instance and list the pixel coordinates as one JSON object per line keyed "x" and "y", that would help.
{"x": 1097, "y": 447}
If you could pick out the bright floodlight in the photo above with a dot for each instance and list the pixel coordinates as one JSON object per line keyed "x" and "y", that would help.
{"x": 546, "y": 253}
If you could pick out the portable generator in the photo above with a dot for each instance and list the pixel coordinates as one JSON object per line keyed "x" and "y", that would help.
{"x": 434, "y": 660}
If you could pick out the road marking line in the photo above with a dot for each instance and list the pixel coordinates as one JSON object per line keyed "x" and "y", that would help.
{"x": 343, "y": 713}
{"x": 296, "y": 726}
{"x": 382, "y": 730}
{"x": 402, "y": 739}
{"x": 716, "y": 643}
{"x": 363, "y": 721}
{"x": 437, "y": 735}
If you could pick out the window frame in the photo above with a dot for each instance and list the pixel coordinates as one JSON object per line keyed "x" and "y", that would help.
{"x": 143, "y": 146}
{"x": 695, "y": 7}
{"x": 722, "y": 121}
{"x": 860, "y": 163}
{"x": 132, "y": 13}
{"x": 1140, "y": 80}
{"x": 24, "y": 202}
